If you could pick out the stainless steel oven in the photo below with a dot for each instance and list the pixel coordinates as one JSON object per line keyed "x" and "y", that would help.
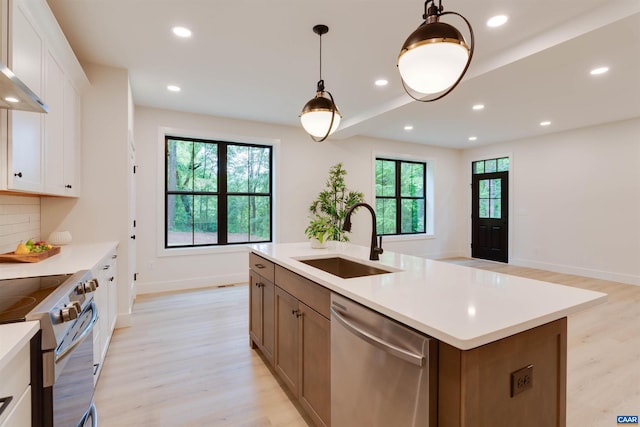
{"x": 62, "y": 354}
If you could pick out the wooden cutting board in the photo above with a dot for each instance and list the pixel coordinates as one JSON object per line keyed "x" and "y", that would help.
{"x": 36, "y": 257}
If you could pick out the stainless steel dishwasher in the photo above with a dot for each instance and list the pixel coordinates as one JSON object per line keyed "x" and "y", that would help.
{"x": 382, "y": 372}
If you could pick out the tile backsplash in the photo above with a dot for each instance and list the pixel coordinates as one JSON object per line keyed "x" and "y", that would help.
{"x": 19, "y": 220}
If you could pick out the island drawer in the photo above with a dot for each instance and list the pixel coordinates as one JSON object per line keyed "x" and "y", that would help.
{"x": 262, "y": 266}
{"x": 312, "y": 294}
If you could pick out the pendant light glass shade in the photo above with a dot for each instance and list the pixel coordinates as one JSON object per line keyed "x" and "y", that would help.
{"x": 317, "y": 115}
{"x": 320, "y": 116}
{"x": 435, "y": 57}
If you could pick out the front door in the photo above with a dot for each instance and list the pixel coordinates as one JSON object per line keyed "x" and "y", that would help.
{"x": 490, "y": 209}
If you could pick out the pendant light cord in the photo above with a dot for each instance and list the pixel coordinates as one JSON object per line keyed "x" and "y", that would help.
{"x": 320, "y": 56}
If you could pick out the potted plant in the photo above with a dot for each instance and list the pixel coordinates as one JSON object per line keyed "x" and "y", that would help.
{"x": 319, "y": 230}
{"x": 329, "y": 209}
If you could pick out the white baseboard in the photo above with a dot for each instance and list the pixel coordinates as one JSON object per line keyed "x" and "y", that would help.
{"x": 192, "y": 283}
{"x": 579, "y": 271}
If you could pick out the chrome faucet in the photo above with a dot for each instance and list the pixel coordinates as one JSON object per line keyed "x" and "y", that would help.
{"x": 376, "y": 248}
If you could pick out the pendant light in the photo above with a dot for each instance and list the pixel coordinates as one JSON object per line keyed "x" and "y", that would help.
{"x": 435, "y": 57}
{"x": 320, "y": 116}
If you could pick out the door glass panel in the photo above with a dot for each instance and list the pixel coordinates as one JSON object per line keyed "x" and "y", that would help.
{"x": 490, "y": 196}
{"x": 496, "y": 189}
{"x": 490, "y": 166}
{"x": 503, "y": 164}
{"x": 478, "y": 167}
{"x": 496, "y": 211}
{"x": 484, "y": 208}
{"x": 485, "y": 185}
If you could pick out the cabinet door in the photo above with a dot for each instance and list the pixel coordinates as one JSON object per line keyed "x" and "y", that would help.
{"x": 112, "y": 294}
{"x": 54, "y": 127}
{"x": 255, "y": 309}
{"x": 99, "y": 331}
{"x": 268, "y": 319}
{"x": 315, "y": 384}
{"x": 287, "y": 355}
{"x": 71, "y": 114}
{"x": 25, "y": 134}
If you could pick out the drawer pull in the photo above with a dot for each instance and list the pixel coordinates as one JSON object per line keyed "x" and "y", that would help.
{"x": 4, "y": 403}
{"x": 260, "y": 265}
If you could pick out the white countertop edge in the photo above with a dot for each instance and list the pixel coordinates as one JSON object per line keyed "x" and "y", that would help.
{"x": 13, "y": 337}
{"x": 461, "y": 340}
{"x": 72, "y": 258}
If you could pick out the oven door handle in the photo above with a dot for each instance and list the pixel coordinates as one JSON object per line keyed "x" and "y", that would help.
{"x": 92, "y": 322}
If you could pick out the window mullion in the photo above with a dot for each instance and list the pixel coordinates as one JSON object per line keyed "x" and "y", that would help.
{"x": 398, "y": 198}
{"x": 223, "y": 238}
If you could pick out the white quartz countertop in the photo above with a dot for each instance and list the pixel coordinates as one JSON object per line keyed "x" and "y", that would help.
{"x": 462, "y": 306}
{"x": 13, "y": 337}
{"x": 72, "y": 258}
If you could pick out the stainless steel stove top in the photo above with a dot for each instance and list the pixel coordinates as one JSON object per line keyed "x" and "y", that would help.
{"x": 52, "y": 300}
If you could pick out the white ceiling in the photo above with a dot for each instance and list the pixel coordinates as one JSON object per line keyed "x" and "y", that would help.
{"x": 259, "y": 61}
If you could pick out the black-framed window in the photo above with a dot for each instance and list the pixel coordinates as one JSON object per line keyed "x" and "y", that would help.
{"x": 401, "y": 196}
{"x": 217, "y": 192}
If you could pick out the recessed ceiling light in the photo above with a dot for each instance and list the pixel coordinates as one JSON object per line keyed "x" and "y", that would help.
{"x": 473, "y": 138}
{"x": 545, "y": 123}
{"x": 478, "y": 107}
{"x": 173, "y": 88}
{"x": 181, "y": 32}
{"x": 497, "y": 21}
{"x": 11, "y": 99}
{"x": 381, "y": 82}
{"x": 408, "y": 127}
{"x": 599, "y": 70}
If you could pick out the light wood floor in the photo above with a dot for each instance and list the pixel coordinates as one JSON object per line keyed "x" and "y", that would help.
{"x": 186, "y": 361}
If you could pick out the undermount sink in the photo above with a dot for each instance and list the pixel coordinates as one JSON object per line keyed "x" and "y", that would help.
{"x": 343, "y": 267}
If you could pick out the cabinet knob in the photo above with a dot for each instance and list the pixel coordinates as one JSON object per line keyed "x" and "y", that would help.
{"x": 19, "y": 174}
{"x": 68, "y": 186}
{"x": 133, "y": 236}
{"x": 296, "y": 313}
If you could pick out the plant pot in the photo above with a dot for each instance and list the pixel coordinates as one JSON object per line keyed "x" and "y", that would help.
{"x": 315, "y": 244}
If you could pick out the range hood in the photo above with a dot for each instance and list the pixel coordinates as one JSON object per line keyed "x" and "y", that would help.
{"x": 15, "y": 95}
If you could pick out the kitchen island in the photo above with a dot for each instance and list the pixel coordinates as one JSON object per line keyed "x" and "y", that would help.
{"x": 490, "y": 327}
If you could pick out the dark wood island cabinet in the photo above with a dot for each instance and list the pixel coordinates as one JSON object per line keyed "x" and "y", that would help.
{"x": 289, "y": 324}
{"x": 514, "y": 378}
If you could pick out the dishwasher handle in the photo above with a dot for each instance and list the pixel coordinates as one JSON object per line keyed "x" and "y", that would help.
{"x": 416, "y": 359}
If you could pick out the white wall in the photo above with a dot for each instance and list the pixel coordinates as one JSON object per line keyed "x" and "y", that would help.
{"x": 301, "y": 167}
{"x": 101, "y": 211}
{"x": 574, "y": 200}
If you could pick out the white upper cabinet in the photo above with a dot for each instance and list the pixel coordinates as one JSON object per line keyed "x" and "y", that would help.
{"x": 71, "y": 161}
{"x": 25, "y": 150}
{"x": 54, "y": 127}
{"x": 43, "y": 149}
